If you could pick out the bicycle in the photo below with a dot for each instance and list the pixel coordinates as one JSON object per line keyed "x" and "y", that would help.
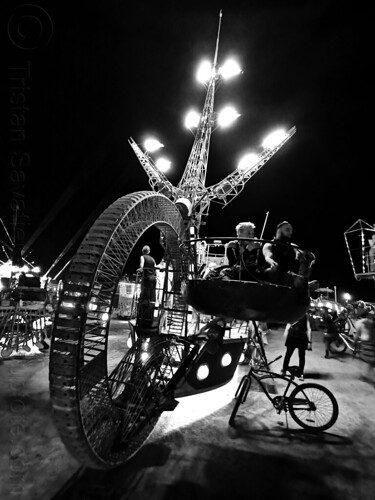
{"x": 362, "y": 350}
{"x": 312, "y": 406}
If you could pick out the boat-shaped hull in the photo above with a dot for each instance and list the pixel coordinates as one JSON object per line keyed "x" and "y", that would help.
{"x": 247, "y": 300}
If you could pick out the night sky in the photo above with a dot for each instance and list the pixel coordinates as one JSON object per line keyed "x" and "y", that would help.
{"x": 95, "y": 74}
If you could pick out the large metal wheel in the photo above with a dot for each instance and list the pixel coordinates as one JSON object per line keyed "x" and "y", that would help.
{"x": 91, "y": 407}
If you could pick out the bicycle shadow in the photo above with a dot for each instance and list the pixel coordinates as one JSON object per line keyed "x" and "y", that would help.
{"x": 317, "y": 376}
{"x": 240, "y": 429}
{"x": 367, "y": 380}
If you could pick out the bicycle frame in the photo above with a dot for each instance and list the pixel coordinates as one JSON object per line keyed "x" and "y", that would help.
{"x": 259, "y": 379}
{"x": 350, "y": 343}
{"x": 360, "y": 349}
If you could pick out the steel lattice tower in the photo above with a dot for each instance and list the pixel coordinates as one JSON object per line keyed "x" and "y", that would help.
{"x": 192, "y": 184}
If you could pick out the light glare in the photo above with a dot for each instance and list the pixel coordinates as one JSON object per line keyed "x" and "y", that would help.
{"x": 204, "y": 72}
{"x": 144, "y": 357}
{"x": 248, "y": 161}
{"x": 192, "y": 119}
{"x": 163, "y": 165}
{"x": 229, "y": 69}
{"x": 227, "y": 116}
{"x": 152, "y": 145}
{"x": 274, "y": 139}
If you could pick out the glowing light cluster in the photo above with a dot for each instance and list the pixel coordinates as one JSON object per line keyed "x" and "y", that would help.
{"x": 192, "y": 119}
{"x": 204, "y": 72}
{"x": 230, "y": 69}
{"x": 163, "y": 164}
{"x": 248, "y": 161}
{"x": 274, "y": 139}
{"x": 227, "y": 116}
{"x": 152, "y": 145}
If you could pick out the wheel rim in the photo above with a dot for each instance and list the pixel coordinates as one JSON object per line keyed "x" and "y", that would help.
{"x": 313, "y": 407}
{"x": 337, "y": 346}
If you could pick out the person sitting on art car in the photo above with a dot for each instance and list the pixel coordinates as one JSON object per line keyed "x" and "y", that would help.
{"x": 243, "y": 257}
{"x": 286, "y": 264}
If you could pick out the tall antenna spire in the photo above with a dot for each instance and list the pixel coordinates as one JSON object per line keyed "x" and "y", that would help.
{"x": 217, "y": 40}
{"x": 192, "y": 183}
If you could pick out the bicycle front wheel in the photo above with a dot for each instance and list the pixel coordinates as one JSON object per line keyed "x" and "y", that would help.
{"x": 313, "y": 407}
{"x": 337, "y": 346}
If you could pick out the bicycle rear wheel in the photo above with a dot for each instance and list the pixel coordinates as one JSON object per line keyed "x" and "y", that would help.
{"x": 313, "y": 407}
{"x": 240, "y": 396}
{"x": 337, "y": 346}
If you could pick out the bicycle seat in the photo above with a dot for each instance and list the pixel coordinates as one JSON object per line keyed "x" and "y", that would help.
{"x": 294, "y": 370}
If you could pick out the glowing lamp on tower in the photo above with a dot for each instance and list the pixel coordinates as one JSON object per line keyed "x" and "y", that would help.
{"x": 248, "y": 161}
{"x": 152, "y": 145}
{"x": 163, "y": 164}
{"x": 230, "y": 69}
{"x": 192, "y": 119}
{"x": 204, "y": 72}
{"x": 274, "y": 139}
{"x": 227, "y": 116}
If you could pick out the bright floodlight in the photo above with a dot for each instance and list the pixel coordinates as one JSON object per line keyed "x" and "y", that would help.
{"x": 229, "y": 69}
{"x": 162, "y": 164}
{"x": 248, "y": 161}
{"x": 192, "y": 119}
{"x": 347, "y": 296}
{"x": 274, "y": 139}
{"x": 152, "y": 145}
{"x": 204, "y": 72}
{"x": 227, "y": 116}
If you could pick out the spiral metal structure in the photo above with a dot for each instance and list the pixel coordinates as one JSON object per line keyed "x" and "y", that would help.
{"x": 101, "y": 421}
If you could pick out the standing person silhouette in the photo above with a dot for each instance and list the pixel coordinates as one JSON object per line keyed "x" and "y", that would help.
{"x": 331, "y": 325}
{"x": 298, "y": 336}
{"x": 147, "y": 266}
{"x": 365, "y": 333}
